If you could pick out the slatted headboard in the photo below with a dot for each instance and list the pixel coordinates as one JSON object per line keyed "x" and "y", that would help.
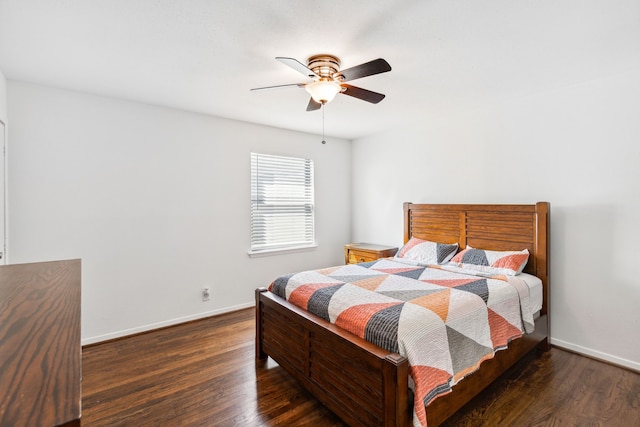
{"x": 491, "y": 227}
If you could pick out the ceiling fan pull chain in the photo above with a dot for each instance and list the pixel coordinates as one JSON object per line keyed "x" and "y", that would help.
{"x": 323, "y": 107}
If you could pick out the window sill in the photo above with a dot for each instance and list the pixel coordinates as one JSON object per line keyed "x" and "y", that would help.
{"x": 281, "y": 251}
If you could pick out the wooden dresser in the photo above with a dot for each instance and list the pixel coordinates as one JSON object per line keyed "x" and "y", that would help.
{"x": 365, "y": 252}
{"x": 40, "y": 350}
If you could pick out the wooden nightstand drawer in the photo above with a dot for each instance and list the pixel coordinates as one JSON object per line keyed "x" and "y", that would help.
{"x": 364, "y": 252}
{"x": 356, "y": 256}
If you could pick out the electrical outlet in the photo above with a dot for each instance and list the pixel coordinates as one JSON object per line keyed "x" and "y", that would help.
{"x": 205, "y": 294}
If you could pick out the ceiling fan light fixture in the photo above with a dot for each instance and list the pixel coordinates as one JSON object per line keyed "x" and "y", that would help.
{"x": 323, "y": 91}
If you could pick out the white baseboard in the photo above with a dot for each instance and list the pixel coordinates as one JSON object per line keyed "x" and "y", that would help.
{"x": 634, "y": 366}
{"x": 171, "y": 322}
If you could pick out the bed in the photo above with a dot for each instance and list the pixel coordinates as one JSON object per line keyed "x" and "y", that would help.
{"x": 365, "y": 384}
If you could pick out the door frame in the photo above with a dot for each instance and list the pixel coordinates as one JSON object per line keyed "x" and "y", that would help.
{"x": 3, "y": 194}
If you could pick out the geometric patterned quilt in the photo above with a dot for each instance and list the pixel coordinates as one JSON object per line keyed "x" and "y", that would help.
{"x": 446, "y": 323}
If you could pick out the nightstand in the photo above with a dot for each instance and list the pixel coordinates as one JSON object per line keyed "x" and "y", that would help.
{"x": 364, "y": 252}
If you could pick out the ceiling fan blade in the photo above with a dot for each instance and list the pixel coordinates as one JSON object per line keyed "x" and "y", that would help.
{"x": 298, "y": 66}
{"x": 364, "y": 94}
{"x": 279, "y": 86}
{"x": 370, "y": 68}
{"x": 313, "y": 105}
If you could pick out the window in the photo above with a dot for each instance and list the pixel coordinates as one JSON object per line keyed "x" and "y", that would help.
{"x": 282, "y": 206}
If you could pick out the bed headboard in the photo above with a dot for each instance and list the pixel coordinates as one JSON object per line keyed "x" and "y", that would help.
{"x": 492, "y": 227}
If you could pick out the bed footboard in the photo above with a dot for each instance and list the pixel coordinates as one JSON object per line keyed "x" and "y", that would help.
{"x": 361, "y": 383}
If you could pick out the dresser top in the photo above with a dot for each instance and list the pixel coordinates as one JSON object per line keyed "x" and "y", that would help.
{"x": 40, "y": 353}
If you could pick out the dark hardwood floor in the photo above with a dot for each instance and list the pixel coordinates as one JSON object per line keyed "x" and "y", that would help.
{"x": 204, "y": 373}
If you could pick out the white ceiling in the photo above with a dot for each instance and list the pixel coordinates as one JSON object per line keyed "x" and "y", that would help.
{"x": 205, "y": 55}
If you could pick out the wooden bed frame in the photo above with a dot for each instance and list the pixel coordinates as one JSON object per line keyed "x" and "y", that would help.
{"x": 366, "y": 385}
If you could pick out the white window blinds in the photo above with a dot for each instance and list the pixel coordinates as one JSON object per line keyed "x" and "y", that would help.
{"x": 282, "y": 205}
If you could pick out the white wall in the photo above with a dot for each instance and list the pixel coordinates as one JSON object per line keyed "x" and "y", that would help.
{"x": 576, "y": 147}
{"x": 155, "y": 201}
{"x": 3, "y": 98}
{"x": 156, "y": 204}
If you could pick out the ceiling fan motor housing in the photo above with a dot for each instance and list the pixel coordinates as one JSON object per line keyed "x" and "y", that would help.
{"x": 326, "y": 66}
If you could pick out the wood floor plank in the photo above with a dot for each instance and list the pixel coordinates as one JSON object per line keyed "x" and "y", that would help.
{"x": 204, "y": 373}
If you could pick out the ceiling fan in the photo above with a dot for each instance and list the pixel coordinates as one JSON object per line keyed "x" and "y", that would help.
{"x": 328, "y": 80}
